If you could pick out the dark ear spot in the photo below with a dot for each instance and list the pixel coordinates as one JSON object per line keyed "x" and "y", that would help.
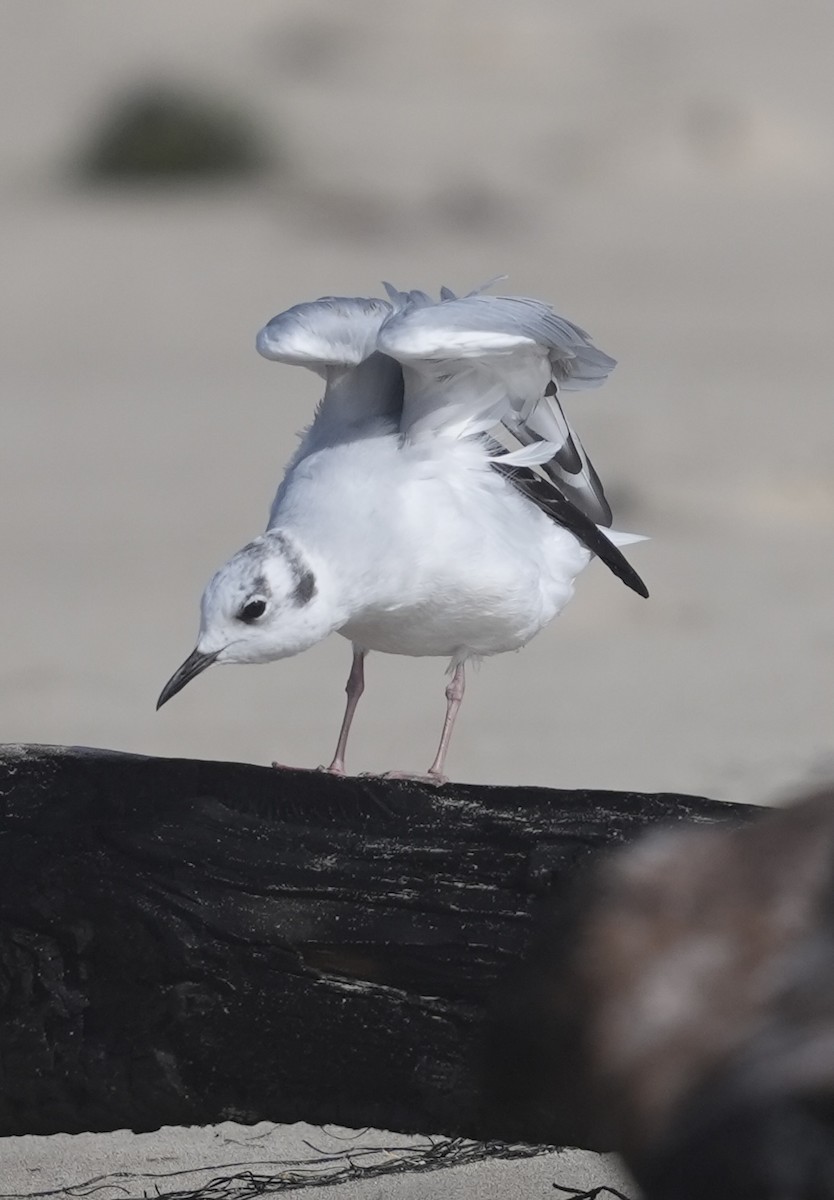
{"x": 305, "y": 589}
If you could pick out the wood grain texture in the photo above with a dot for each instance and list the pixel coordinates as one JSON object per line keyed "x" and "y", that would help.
{"x": 185, "y": 942}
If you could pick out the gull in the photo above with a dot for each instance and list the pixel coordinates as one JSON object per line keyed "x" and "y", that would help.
{"x": 402, "y": 522}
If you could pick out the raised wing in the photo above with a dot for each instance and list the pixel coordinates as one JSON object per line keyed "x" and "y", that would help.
{"x": 334, "y": 331}
{"x": 336, "y": 337}
{"x": 472, "y": 362}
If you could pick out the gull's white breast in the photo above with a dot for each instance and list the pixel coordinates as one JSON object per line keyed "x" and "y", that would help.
{"x": 430, "y": 550}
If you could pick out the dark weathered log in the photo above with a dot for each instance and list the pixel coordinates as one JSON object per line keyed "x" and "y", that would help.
{"x": 185, "y": 942}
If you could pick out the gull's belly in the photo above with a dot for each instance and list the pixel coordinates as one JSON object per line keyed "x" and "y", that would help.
{"x": 423, "y": 630}
{"x": 463, "y": 621}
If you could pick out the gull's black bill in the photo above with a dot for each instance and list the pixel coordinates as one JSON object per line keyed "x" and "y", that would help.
{"x": 193, "y": 665}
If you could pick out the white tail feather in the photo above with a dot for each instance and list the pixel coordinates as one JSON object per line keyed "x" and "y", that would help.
{"x": 527, "y": 456}
{"x": 623, "y": 539}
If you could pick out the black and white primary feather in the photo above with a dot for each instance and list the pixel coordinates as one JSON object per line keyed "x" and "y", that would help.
{"x": 417, "y": 531}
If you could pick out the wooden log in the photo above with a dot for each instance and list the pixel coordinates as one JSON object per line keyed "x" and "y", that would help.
{"x": 185, "y": 942}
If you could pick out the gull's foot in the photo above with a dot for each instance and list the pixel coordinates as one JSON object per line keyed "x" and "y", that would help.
{"x": 335, "y": 768}
{"x": 432, "y": 778}
{"x": 287, "y": 767}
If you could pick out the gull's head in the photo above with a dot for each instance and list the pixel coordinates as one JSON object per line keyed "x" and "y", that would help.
{"x": 264, "y": 604}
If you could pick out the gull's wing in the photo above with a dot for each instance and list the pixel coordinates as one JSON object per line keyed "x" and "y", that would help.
{"x": 472, "y": 362}
{"x": 336, "y": 337}
{"x": 603, "y": 543}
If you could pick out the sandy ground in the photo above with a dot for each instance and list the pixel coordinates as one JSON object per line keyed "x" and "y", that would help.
{"x": 113, "y": 1166}
{"x": 664, "y": 175}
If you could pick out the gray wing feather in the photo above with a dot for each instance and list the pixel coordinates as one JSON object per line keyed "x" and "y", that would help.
{"x": 405, "y": 301}
{"x": 576, "y": 360}
{"x": 332, "y": 331}
{"x": 570, "y": 468}
{"x": 336, "y": 336}
{"x": 487, "y": 359}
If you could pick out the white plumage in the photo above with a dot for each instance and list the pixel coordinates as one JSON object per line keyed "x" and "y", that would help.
{"x": 401, "y": 522}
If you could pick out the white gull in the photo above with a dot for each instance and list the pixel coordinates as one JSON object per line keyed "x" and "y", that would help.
{"x": 401, "y": 522}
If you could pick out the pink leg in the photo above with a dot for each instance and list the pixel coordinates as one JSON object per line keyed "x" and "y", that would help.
{"x": 354, "y": 687}
{"x": 454, "y": 695}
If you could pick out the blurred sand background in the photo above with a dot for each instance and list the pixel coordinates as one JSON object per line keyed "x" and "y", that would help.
{"x": 664, "y": 174}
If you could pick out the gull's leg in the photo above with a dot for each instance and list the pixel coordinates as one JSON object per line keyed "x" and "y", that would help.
{"x": 354, "y": 687}
{"x": 454, "y": 695}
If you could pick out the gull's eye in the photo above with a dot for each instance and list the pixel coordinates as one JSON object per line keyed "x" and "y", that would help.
{"x": 252, "y": 610}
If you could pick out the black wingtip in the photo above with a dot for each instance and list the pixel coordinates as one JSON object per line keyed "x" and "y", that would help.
{"x": 546, "y": 496}
{"x": 616, "y": 561}
{"x": 636, "y": 584}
